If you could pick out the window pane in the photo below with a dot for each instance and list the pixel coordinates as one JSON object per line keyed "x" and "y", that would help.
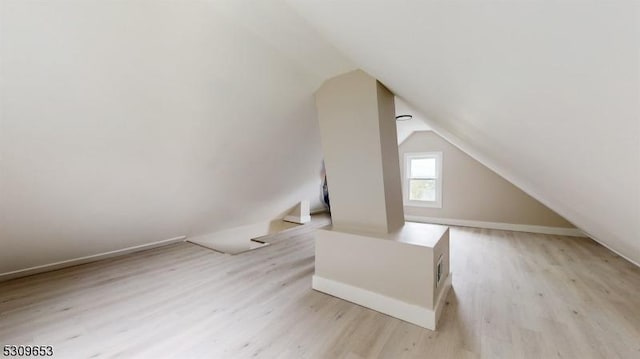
{"x": 422, "y": 190}
{"x": 423, "y": 167}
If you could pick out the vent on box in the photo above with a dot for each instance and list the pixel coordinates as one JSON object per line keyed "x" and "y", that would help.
{"x": 439, "y": 271}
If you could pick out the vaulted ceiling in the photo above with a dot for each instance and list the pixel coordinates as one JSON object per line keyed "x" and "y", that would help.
{"x": 127, "y": 122}
{"x": 546, "y": 93}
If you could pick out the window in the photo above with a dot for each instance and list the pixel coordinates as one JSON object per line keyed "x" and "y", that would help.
{"x": 423, "y": 179}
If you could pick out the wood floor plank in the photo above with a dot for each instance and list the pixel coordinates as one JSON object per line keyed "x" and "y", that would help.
{"x": 515, "y": 295}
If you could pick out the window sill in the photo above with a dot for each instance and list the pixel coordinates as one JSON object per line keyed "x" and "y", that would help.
{"x": 423, "y": 204}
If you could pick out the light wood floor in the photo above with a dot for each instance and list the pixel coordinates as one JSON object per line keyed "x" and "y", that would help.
{"x": 514, "y": 295}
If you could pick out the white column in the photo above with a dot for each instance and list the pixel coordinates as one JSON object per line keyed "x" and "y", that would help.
{"x": 357, "y": 125}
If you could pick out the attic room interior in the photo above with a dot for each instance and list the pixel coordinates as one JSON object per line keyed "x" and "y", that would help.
{"x": 320, "y": 179}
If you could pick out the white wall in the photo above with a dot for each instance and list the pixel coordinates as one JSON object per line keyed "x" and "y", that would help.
{"x": 128, "y": 122}
{"x": 472, "y": 192}
{"x": 408, "y": 127}
{"x": 357, "y": 127}
{"x": 545, "y": 93}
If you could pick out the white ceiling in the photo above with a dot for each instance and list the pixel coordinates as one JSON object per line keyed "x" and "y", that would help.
{"x": 128, "y": 122}
{"x": 546, "y": 93}
{"x": 543, "y": 92}
{"x": 406, "y": 128}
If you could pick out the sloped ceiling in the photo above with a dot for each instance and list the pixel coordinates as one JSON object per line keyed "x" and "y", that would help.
{"x": 407, "y": 128}
{"x": 546, "y": 93}
{"x": 128, "y": 122}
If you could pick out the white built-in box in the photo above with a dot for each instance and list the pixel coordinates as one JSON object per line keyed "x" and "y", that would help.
{"x": 391, "y": 273}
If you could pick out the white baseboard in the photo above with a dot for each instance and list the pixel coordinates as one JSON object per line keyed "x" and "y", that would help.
{"x": 637, "y": 264}
{"x": 82, "y": 260}
{"x": 572, "y": 232}
{"x": 441, "y": 301}
{"x": 411, "y": 313}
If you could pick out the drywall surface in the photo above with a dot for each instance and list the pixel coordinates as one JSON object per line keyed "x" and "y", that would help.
{"x": 128, "y": 122}
{"x": 471, "y": 191}
{"x": 389, "y": 152}
{"x": 406, "y": 128}
{"x": 359, "y": 140}
{"x": 396, "y": 273}
{"x": 545, "y": 93}
{"x": 391, "y": 267}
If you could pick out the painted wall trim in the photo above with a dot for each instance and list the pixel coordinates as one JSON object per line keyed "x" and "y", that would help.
{"x": 637, "y": 264}
{"x": 87, "y": 259}
{"x": 411, "y": 313}
{"x": 441, "y": 301}
{"x": 572, "y": 232}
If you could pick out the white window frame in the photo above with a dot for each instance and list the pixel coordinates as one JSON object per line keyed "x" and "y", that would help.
{"x": 406, "y": 180}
